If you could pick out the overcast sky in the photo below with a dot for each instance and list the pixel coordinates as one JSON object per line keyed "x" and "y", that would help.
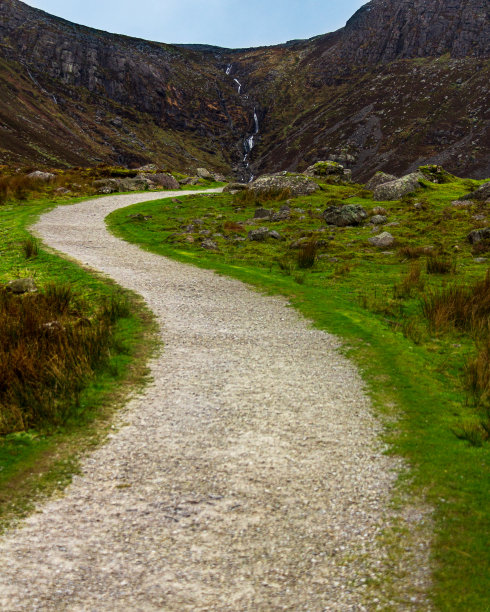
{"x": 227, "y": 23}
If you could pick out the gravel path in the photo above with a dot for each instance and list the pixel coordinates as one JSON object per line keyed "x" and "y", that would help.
{"x": 247, "y": 476}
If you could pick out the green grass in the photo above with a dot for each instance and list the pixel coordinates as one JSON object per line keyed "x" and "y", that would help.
{"x": 363, "y": 295}
{"x": 42, "y": 460}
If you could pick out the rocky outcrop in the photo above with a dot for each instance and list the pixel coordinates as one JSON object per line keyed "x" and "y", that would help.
{"x": 481, "y": 194}
{"x": 379, "y": 179}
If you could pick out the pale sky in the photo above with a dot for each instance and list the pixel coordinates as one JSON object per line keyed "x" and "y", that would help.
{"x": 226, "y": 23}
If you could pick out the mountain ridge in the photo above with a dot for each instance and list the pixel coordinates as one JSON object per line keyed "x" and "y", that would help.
{"x": 75, "y": 95}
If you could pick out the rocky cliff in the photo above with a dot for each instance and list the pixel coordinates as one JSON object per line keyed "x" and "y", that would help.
{"x": 404, "y": 82}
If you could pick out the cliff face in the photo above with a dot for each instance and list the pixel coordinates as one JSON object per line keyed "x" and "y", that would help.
{"x": 404, "y": 82}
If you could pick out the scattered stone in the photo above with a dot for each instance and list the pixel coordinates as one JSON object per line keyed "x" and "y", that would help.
{"x": 295, "y": 184}
{"x": 204, "y": 174}
{"x": 283, "y": 215}
{"x": 461, "y": 204}
{"x": 259, "y": 234}
{"x": 46, "y": 177}
{"x": 385, "y": 239}
{"x": 478, "y": 235}
{"x": 219, "y": 178}
{"x": 189, "y": 229}
{"x": 161, "y": 179}
{"x": 379, "y": 179}
{"x": 22, "y": 285}
{"x": 378, "y": 220}
{"x": 209, "y": 245}
{"x": 141, "y": 217}
{"x": 479, "y": 217}
{"x": 480, "y": 260}
{"x": 341, "y": 216}
{"x": 275, "y": 235}
{"x": 147, "y": 168}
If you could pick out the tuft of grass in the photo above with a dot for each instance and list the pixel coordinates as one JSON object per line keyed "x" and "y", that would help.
{"x": 411, "y": 282}
{"x": 466, "y": 308}
{"x": 30, "y": 247}
{"x": 413, "y": 252}
{"x": 477, "y": 376}
{"x": 248, "y": 197}
{"x": 307, "y": 255}
{"x": 437, "y": 264}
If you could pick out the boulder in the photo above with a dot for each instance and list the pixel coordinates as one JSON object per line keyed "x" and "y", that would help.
{"x": 331, "y": 170}
{"x": 341, "y": 216}
{"x": 481, "y": 194}
{"x": 378, "y": 179}
{"x": 385, "y": 239}
{"x": 22, "y": 285}
{"x": 147, "y": 168}
{"x": 479, "y": 235}
{"x": 378, "y": 220}
{"x": 46, "y": 177}
{"x": 219, "y": 178}
{"x": 233, "y": 187}
{"x": 204, "y": 174}
{"x": 394, "y": 190}
{"x": 296, "y": 184}
{"x": 275, "y": 235}
{"x": 262, "y": 213}
{"x": 283, "y": 215}
{"x": 258, "y": 235}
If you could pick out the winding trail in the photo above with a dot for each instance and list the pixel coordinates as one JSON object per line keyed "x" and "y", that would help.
{"x": 247, "y": 476}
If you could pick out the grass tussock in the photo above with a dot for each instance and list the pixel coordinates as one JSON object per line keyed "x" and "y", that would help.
{"x": 466, "y": 308}
{"x": 248, "y": 197}
{"x": 413, "y": 252}
{"x": 30, "y": 247}
{"x": 49, "y": 349}
{"x": 410, "y": 283}
{"x": 437, "y": 264}
{"x": 307, "y": 255}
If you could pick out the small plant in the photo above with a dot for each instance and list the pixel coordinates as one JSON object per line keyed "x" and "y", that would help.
{"x": 477, "y": 375}
{"x": 307, "y": 255}
{"x": 30, "y": 247}
{"x": 440, "y": 265}
{"x": 412, "y": 281}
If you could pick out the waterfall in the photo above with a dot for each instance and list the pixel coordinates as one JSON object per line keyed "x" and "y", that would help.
{"x": 256, "y": 119}
{"x": 228, "y": 69}
{"x": 239, "y": 85}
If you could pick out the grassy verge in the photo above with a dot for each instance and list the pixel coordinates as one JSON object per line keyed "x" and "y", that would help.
{"x": 41, "y": 458}
{"x": 372, "y": 298}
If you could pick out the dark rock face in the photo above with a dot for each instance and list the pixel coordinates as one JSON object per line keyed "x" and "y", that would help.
{"x": 481, "y": 194}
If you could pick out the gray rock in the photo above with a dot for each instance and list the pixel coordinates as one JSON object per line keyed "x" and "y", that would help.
{"x": 394, "y": 190}
{"x": 22, "y": 285}
{"x": 275, "y": 235}
{"x": 480, "y": 260}
{"x": 262, "y": 213}
{"x": 378, "y": 220}
{"x": 283, "y": 215}
{"x": 461, "y": 204}
{"x": 46, "y": 177}
{"x": 341, "y": 216}
{"x": 478, "y": 235}
{"x": 296, "y": 184}
{"x": 161, "y": 179}
{"x": 209, "y": 245}
{"x": 385, "y": 239}
{"x": 204, "y": 174}
{"x": 379, "y": 179}
{"x": 481, "y": 194}
{"x": 259, "y": 234}
{"x": 147, "y": 168}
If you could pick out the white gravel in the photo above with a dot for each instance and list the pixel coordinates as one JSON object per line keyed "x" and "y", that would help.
{"x": 247, "y": 476}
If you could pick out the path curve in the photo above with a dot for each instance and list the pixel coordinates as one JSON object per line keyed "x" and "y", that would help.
{"x": 247, "y": 475}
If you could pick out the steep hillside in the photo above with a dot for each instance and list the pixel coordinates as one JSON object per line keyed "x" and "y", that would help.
{"x": 405, "y": 82}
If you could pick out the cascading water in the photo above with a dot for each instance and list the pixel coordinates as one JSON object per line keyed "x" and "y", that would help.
{"x": 249, "y": 142}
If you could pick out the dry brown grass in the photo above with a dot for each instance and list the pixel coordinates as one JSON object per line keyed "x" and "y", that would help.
{"x": 413, "y": 252}
{"x": 307, "y": 255}
{"x": 49, "y": 349}
{"x": 466, "y": 308}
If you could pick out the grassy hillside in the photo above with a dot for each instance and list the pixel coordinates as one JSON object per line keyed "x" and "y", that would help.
{"x": 414, "y": 317}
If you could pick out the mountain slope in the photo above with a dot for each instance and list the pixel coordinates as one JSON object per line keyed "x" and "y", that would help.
{"x": 403, "y": 83}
